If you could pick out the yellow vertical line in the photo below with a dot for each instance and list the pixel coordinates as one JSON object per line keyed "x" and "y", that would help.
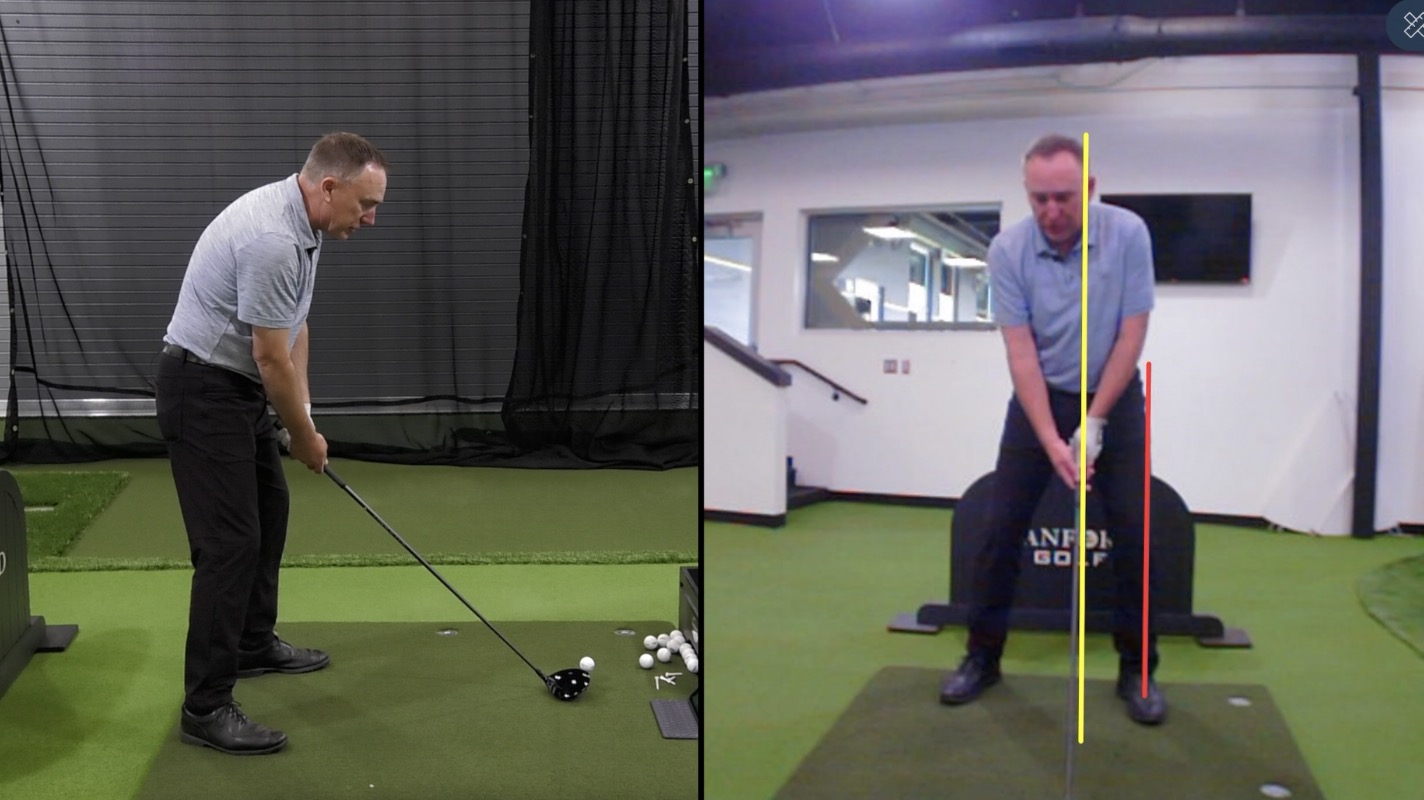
{"x": 1083, "y": 451}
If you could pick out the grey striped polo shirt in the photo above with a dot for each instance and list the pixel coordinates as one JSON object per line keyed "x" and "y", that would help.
{"x": 255, "y": 264}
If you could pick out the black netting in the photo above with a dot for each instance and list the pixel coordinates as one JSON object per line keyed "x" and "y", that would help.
{"x": 606, "y": 368}
{"x": 439, "y": 336}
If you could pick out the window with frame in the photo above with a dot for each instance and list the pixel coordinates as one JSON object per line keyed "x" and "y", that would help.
{"x": 902, "y": 269}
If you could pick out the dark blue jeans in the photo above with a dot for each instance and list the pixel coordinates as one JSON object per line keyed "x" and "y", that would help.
{"x": 1022, "y": 475}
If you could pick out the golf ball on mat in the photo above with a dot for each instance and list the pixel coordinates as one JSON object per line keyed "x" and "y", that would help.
{"x": 586, "y": 664}
{"x": 663, "y": 639}
{"x": 676, "y": 634}
{"x": 693, "y": 664}
{"x": 664, "y": 654}
{"x": 646, "y": 661}
{"x": 651, "y": 642}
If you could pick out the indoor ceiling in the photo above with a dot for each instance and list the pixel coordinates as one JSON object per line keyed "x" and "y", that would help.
{"x": 736, "y": 32}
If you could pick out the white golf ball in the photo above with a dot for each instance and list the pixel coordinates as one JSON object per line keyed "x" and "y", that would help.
{"x": 676, "y": 643}
{"x": 646, "y": 661}
{"x": 651, "y": 642}
{"x": 693, "y": 664}
{"x": 664, "y": 654}
{"x": 694, "y": 637}
{"x": 586, "y": 664}
{"x": 676, "y": 635}
{"x": 663, "y": 639}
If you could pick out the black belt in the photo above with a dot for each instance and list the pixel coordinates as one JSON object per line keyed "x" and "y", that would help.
{"x": 183, "y": 354}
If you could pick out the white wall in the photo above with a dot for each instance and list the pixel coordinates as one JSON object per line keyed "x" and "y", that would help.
{"x": 744, "y": 464}
{"x": 1401, "y": 481}
{"x": 1251, "y": 384}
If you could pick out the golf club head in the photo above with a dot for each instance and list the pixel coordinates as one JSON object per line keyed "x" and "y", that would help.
{"x": 568, "y": 684}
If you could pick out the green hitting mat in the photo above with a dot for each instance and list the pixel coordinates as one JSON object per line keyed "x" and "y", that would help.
{"x": 1224, "y": 742}
{"x": 1394, "y": 595}
{"x": 409, "y": 710}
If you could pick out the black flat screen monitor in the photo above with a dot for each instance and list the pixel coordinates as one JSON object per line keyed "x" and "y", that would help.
{"x": 1196, "y": 238}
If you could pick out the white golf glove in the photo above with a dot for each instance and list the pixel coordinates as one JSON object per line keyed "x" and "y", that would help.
{"x": 1094, "y": 427}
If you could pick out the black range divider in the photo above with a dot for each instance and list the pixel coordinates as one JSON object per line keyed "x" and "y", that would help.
{"x": 681, "y": 719}
{"x": 21, "y": 635}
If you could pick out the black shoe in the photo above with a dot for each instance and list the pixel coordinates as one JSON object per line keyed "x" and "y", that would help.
{"x": 228, "y": 730}
{"x": 969, "y": 681}
{"x": 1149, "y": 710}
{"x": 281, "y": 657}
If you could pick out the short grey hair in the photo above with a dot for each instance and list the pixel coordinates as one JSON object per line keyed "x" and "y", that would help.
{"x": 1053, "y": 144}
{"x": 341, "y": 156}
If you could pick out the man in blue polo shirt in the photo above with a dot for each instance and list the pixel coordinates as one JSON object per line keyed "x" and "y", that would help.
{"x": 237, "y": 342}
{"x": 1036, "y": 276}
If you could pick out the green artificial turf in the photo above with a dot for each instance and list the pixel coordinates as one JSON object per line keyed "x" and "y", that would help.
{"x": 406, "y": 712}
{"x": 59, "y": 505}
{"x": 1394, "y": 595}
{"x": 451, "y": 515}
{"x": 801, "y": 615}
{"x": 896, "y": 740}
{"x": 86, "y": 724}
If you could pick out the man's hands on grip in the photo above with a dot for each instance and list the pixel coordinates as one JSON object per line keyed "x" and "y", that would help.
{"x": 1094, "y": 436}
{"x": 310, "y": 450}
{"x": 1065, "y": 462}
{"x": 1064, "y": 455}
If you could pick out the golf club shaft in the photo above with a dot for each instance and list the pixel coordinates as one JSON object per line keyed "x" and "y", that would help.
{"x": 1071, "y": 718}
{"x": 418, "y": 557}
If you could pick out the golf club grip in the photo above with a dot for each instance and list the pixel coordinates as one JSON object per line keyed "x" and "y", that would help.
{"x": 418, "y": 557}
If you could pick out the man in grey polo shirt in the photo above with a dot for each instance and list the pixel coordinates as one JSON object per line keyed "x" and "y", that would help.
{"x": 237, "y": 342}
{"x": 1036, "y": 276}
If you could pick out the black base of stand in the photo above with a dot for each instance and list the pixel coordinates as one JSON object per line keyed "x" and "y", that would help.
{"x": 57, "y": 638}
{"x": 37, "y": 637}
{"x": 676, "y": 719}
{"x": 1208, "y": 630}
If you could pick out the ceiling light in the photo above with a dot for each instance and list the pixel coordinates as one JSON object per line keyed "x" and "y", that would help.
{"x": 890, "y": 232}
{"x": 722, "y": 262}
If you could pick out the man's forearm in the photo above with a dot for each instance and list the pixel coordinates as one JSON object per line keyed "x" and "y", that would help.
{"x": 1120, "y": 367}
{"x": 1032, "y": 393}
{"x": 299, "y": 360}
{"x": 284, "y": 391}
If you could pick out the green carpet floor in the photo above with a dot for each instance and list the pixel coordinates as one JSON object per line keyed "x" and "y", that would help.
{"x": 404, "y": 712}
{"x": 1394, "y": 595}
{"x": 452, "y": 515}
{"x": 61, "y": 504}
{"x": 1223, "y": 742}
{"x": 801, "y": 613}
{"x": 87, "y": 724}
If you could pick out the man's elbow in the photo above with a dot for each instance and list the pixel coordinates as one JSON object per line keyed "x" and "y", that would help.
{"x": 269, "y": 361}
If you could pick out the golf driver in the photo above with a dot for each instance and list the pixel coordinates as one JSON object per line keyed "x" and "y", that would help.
{"x": 1069, "y": 724}
{"x": 566, "y": 684}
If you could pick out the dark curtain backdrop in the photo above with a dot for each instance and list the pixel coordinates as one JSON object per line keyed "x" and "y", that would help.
{"x": 607, "y": 366}
{"x": 128, "y": 124}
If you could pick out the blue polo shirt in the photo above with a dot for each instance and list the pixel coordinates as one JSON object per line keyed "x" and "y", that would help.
{"x": 1032, "y": 285}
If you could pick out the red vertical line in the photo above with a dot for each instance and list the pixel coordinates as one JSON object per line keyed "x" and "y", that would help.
{"x": 1146, "y": 528}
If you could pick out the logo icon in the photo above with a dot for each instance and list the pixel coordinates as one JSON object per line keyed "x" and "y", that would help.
{"x": 1406, "y": 25}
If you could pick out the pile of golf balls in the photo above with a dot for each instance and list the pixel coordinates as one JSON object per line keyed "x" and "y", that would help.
{"x": 664, "y": 646}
